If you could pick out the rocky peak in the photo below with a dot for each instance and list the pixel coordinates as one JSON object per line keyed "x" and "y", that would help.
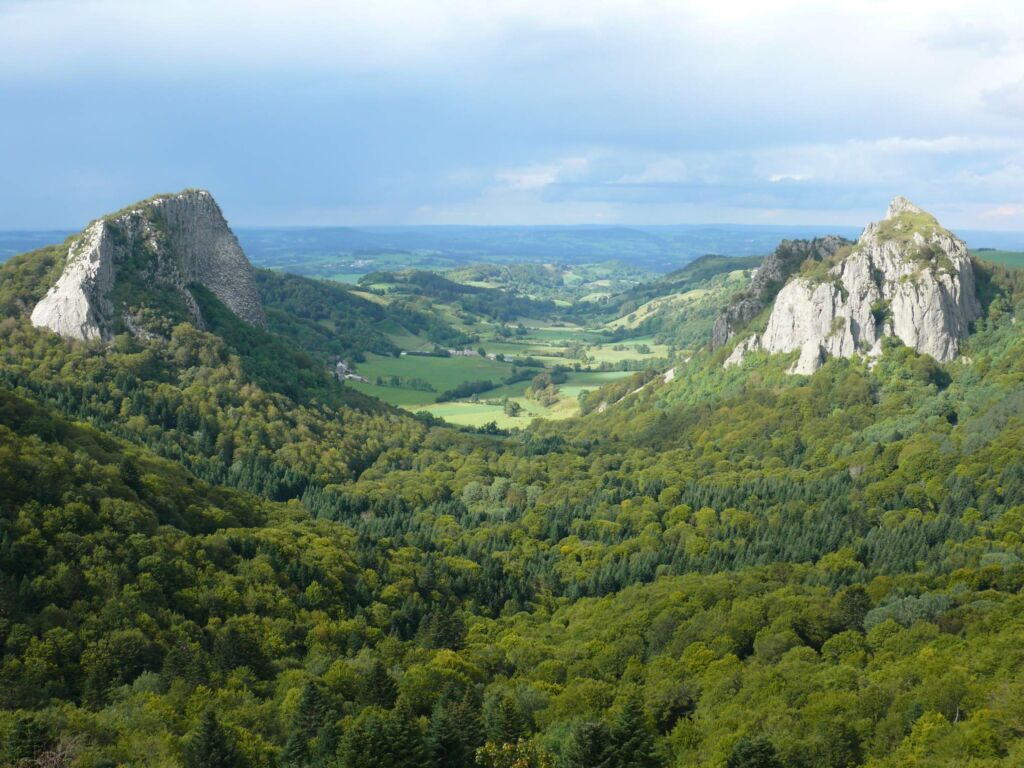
{"x": 132, "y": 270}
{"x": 773, "y": 273}
{"x": 906, "y": 277}
{"x": 900, "y": 205}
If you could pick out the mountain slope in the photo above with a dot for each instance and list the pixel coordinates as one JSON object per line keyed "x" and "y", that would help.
{"x": 678, "y": 308}
{"x": 828, "y": 568}
{"x": 682, "y": 280}
{"x": 737, "y": 577}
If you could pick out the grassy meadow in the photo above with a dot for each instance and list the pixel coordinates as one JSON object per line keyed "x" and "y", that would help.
{"x": 445, "y": 373}
{"x": 1005, "y": 258}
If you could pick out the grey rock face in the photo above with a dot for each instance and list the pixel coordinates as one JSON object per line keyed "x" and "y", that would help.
{"x": 75, "y": 307}
{"x": 172, "y": 240}
{"x": 907, "y": 277}
{"x": 776, "y": 268}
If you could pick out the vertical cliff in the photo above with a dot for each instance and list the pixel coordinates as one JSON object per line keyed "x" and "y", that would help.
{"x": 131, "y": 271}
{"x": 773, "y": 273}
{"x": 906, "y": 277}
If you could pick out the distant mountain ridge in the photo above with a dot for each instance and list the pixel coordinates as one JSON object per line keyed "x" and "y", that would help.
{"x": 658, "y": 248}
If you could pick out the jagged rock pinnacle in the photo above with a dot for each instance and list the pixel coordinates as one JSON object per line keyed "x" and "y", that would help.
{"x": 900, "y": 205}
{"x": 906, "y": 277}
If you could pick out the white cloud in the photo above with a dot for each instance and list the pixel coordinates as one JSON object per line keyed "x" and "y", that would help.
{"x": 885, "y": 160}
{"x": 783, "y": 106}
{"x": 1006, "y": 99}
{"x": 982, "y": 38}
{"x": 1007, "y": 211}
{"x": 944, "y": 172}
{"x": 967, "y": 159}
{"x": 533, "y": 177}
{"x": 49, "y": 35}
{"x": 664, "y": 170}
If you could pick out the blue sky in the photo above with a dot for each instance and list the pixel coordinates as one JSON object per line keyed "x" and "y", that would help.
{"x": 502, "y": 112}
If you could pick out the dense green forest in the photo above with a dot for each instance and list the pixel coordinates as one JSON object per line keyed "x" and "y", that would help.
{"x": 212, "y": 553}
{"x": 492, "y": 303}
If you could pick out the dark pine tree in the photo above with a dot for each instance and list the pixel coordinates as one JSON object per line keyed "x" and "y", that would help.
{"x": 324, "y": 749}
{"x": 378, "y": 687}
{"x": 631, "y": 735}
{"x": 27, "y": 738}
{"x": 443, "y": 628}
{"x": 306, "y": 723}
{"x": 408, "y": 749}
{"x": 587, "y": 746}
{"x": 383, "y": 739}
{"x": 447, "y": 745}
{"x": 504, "y": 722}
{"x": 853, "y": 605}
{"x": 211, "y": 746}
{"x": 753, "y": 752}
{"x": 367, "y": 741}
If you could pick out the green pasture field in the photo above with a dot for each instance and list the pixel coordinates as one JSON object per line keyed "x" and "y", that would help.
{"x": 442, "y": 372}
{"x": 403, "y": 339}
{"x": 544, "y": 341}
{"x": 1005, "y": 258}
{"x": 545, "y": 352}
{"x": 605, "y": 354}
{"x": 447, "y": 372}
{"x": 578, "y": 381}
{"x": 475, "y": 414}
{"x": 554, "y": 335}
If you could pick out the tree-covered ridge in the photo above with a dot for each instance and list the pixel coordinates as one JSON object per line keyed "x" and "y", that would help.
{"x": 558, "y": 281}
{"x": 322, "y": 317}
{"x": 734, "y": 567}
{"x": 24, "y": 279}
{"x": 693, "y": 275}
{"x": 329, "y": 320}
{"x": 493, "y": 303}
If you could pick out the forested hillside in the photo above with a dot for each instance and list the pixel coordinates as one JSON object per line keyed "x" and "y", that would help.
{"x": 213, "y": 553}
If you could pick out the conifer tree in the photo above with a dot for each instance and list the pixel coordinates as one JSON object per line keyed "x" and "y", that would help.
{"x": 631, "y": 735}
{"x": 408, "y": 749}
{"x": 383, "y": 739}
{"x": 853, "y": 605}
{"x": 378, "y": 687}
{"x": 26, "y": 738}
{"x": 323, "y": 751}
{"x": 504, "y": 722}
{"x": 306, "y": 723}
{"x": 367, "y": 741}
{"x": 751, "y": 752}
{"x": 211, "y": 746}
{"x": 447, "y": 743}
{"x": 587, "y": 746}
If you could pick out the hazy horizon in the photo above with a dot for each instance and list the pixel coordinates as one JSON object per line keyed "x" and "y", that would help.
{"x": 661, "y": 247}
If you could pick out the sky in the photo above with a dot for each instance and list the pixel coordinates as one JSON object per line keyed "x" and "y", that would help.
{"x": 337, "y": 112}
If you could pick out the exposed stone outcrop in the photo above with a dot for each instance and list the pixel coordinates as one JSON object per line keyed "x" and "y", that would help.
{"x": 906, "y": 277}
{"x": 776, "y": 268}
{"x": 169, "y": 241}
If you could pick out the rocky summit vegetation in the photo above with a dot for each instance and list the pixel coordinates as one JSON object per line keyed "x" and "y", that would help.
{"x": 919, "y": 271}
{"x": 214, "y": 553}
